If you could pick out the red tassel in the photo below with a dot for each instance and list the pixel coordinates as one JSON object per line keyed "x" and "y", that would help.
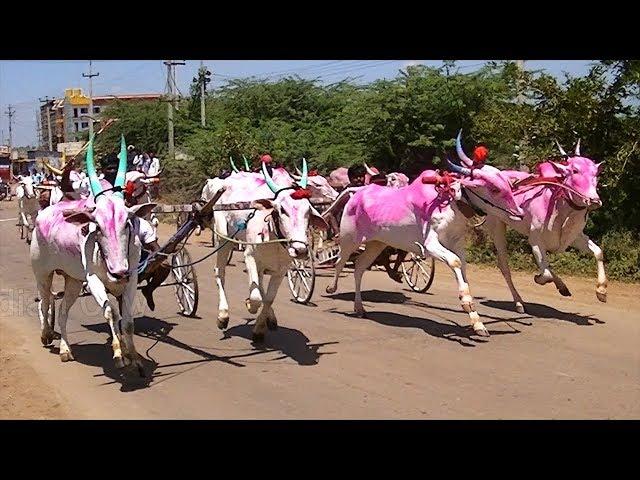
{"x": 301, "y": 193}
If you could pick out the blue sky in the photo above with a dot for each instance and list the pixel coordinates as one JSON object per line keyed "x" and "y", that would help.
{"x": 23, "y": 82}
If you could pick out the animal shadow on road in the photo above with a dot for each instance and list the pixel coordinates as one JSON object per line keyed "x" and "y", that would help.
{"x": 545, "y": 311}
{"x": 464, "y": 335}
{"x": 291, "y": 342}
{"x": 147, "y": 327}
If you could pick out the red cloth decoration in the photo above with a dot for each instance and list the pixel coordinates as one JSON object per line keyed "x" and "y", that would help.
{"x": 301, "y": 193}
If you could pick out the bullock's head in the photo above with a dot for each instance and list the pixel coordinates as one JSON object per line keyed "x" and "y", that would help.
{"x": 110, "y": 221}
{"x": 397, "y": 180}
{"x": 27, "y": 184}
{"x": 292, "y": 213}
{"x": 581, "y": 174}
{"x": 488, "y": 188}
{"x": 318, "y": 185}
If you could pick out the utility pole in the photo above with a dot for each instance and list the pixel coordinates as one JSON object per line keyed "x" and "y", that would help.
{"x": 520, "y": 101}
{"x": 171, "y": 84}
{"x": 90, "y": 76}
{"x": 520, "y": 64}
{"x": 46, "y": 101}
{"x": 204, "y": 75}
{"x": 10, "y": 112}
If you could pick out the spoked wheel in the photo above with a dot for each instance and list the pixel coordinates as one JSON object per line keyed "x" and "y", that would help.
{"x": 186, "y": 282}
{"x": 419, "y": 272}
{"x": 302, "y": 279}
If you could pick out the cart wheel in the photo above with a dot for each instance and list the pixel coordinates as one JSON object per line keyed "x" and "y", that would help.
{"x": 302, "y": 279}
{"x": 186, "y": 282}
{"x": 419, "y": 273}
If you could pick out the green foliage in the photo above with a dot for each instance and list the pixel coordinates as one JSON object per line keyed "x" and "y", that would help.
{"x": 407, "y": 123}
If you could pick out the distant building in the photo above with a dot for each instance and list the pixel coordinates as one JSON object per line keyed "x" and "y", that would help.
{"x": 5, "y": 163}
{"x": 69, "y": 116}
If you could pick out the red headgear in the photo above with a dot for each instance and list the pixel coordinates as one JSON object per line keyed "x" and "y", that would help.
{"x": 480, "y": 154}
{"x": 266, "y": 158}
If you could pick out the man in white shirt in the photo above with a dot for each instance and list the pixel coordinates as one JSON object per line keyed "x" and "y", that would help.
{"x": 154, "y": 165}
{"x": 141, "y": 162}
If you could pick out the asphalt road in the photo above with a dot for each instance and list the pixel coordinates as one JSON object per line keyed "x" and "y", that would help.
{"x": 414, "y": 357}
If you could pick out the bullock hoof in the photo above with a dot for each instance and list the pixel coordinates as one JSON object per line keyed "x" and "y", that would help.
{"x": 119, "y": 362}
{"x": 541, "y": 279}
{"x": 66, "y": 356}
{"x": 252, "y": 306}
{"x": 223, "y": 322}
{"x": 46, "y": 338}
{"x": 480, "y": 329}
{"x": 564, "y": 291}
{"x": 519, "y": 307}
{"x": 257, "y": 337}
{"x": 272, "y": 324}
{"x": 331, "y": 289}
{"x": 361, "y": 313}
{"x": 601, "y": 293}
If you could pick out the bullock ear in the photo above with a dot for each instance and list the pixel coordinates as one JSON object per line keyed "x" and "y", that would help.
{"x": 600, "y": 168}
{"x": 559, "y": 167}
{"x": 318, "y": 222}
{"x": 79, "y": 217}
{"x": 262, "y": 204}
{"x": 142, "y": 210}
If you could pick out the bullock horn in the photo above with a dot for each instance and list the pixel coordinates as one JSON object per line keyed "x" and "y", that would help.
{"x": 57, "y": 171}
{"x": 122, "y": 166}
{"x": 298, "y": 171}
{"x": 578, "y": 148}
{"x": 305, "y": 172}
{"x": 457, "y": 168}
{"x": 562, "y": 152}
{"x": 233, "y": 165}
{"x": 96, "y": 188}
{"x": 369, "y": 171}
{"x": 246, "y": 163}
{"x": 463, "y": 156}
{"x": 272, "y": 185}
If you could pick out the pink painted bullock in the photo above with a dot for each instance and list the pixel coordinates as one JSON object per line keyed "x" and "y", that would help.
{"x": 276, "y": 233}
{"x": 96, "y": 240}
{"x": 422, "y": 218}
{"x": 556, "y": 203}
